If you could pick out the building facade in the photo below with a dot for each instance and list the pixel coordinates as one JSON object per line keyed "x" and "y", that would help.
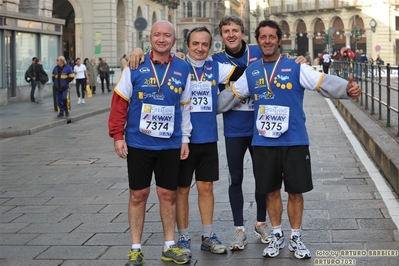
{"x": 73, "y": 28}
{"x": 305, "y": 22}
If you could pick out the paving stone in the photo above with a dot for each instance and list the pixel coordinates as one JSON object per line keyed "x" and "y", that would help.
{"x": 84, "y": 208}
{"x": 72, "y": 252}
{"x": 376, "y": 224}
{"x": 17, "y": 262}
{"x": 361, "y": 235}
{"x": 27, "y": 201}
{"x": 355, "y": 213}
{"x": 16, "y": 239}
{"x": 21, "y": 252}
{"x": 65, "y": 239}
{"x": 114, "y": 227}
{"x": 329, "y": 224}
{"x": 91, "y": 217}
{"x": 96, "y": 263}
{"x": 40, "y": 218}
{"x": 12, "y": 227}
{"x": 33, "y": 209}
{"x": 113, "y": 239}
{"x": 50, "y": 227}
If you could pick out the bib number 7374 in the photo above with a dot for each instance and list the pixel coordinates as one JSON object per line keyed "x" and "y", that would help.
{"x": 157, "y": 120}
{"x": 272, "y": 120}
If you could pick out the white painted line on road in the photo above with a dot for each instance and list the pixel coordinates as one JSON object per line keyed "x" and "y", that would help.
{"x": 5, "y": 140}
{"x": 383, "y": 188}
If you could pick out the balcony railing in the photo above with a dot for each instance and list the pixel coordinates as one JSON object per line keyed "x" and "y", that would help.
{"x": 313, "y": 5}
{"x": 170, "y": 3}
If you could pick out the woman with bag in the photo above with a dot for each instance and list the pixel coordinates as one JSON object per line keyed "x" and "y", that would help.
{"x": 41, "y": 78}
{"x": 81, "y": 78}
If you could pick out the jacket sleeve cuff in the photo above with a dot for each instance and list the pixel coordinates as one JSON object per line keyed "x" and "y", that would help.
{"x": 118, "y": 136}
{"x": 185, "y": 139}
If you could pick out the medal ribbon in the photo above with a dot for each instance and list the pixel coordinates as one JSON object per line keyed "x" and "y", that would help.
{"x": 157, "y": 77}
{"x": 248, "y": 57}
{"x": 269, "y": 80}
{"x": 196, "y": 73}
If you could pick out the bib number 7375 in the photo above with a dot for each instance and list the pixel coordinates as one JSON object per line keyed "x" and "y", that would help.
{"x": 272, "y": 120}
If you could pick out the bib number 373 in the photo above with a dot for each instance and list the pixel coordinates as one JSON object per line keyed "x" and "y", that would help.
{"x": 272, "y": 120}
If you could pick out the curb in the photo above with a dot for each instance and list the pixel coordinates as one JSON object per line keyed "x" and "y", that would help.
{"x": 33, "y": 130}
{"x": 383, "y": 148}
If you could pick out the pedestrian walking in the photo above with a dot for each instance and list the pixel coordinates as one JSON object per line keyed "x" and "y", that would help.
{"x": 150, "y": 124}
{"x": 62, "y": 77}
{"x": 31, "y": 72}
{"x": 81, "y": 78}
{"x": 280, "y": 141}
{"x": 41, "y": 78}
{"x": 326, "y": 62}
{"x": 92, "y": 73}
{"x": 103, "y": 70}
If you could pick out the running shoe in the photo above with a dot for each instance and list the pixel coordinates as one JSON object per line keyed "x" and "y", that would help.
{"x": 261, "y": 232}
{"x": 276, "y": 243}
{"x": 213, "y": 244}
{"x": 296, "y": 245}
{"x": 184, "y": 244}
{"x": 239, "y": 240}
{"x": 175, "y": 254}
{"x": 136, "y": 257}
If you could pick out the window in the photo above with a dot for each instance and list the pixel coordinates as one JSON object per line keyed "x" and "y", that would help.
{"x": 26, "y": 48}
{"x": 49, "y": 52}
{"x": 397, "y": 23}
{"x": 198, "y": 9}
{"x": 189, "y": 9}
{"x": 204, "y": 10}
{"x": 184, "y": 10}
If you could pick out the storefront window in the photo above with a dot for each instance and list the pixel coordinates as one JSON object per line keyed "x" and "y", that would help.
{"x": 26, "y": 48}
{"x": 49, "y": 53}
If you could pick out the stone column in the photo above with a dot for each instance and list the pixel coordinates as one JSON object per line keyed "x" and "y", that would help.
{"x": 310, "y": 45}
{"x": 78, "y": 38}
{"x": 348, "y": 38}
{"x": 293, "y": 37}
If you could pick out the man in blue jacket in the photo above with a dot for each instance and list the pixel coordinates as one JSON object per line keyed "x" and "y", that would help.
{"x": 62, "y": 76}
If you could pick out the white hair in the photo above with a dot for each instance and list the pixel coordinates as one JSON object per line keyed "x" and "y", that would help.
{"x": 63, "y": 59}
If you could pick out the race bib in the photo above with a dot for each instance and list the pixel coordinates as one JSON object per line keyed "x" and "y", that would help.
{"x": 157, "y": 120}
{"x": 246, "y": 104}
{"x": 272, "y": 120}
{"x": 201, "y": 96}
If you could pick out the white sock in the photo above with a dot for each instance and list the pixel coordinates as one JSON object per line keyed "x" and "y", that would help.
{"x": 169, "y": 243}
{"x": 295, "y": 232}
{"x": 277, "y": 230}
{"x": 136, "y": 246}
{"x": 240, "y": 228}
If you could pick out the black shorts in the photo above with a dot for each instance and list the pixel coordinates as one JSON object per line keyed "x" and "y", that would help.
{"x": 204, "y": 160}
{"x": 142, "y": 163}
{"x": 273, "y": 165}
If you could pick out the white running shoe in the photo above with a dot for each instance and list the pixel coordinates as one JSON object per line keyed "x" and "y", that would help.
{"x": 296, "y": 245}
{"x": 79, "y": 100}
{"x": 275, "y": 244}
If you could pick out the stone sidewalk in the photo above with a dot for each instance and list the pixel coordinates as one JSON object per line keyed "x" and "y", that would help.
{"x": 63, "y": 197}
